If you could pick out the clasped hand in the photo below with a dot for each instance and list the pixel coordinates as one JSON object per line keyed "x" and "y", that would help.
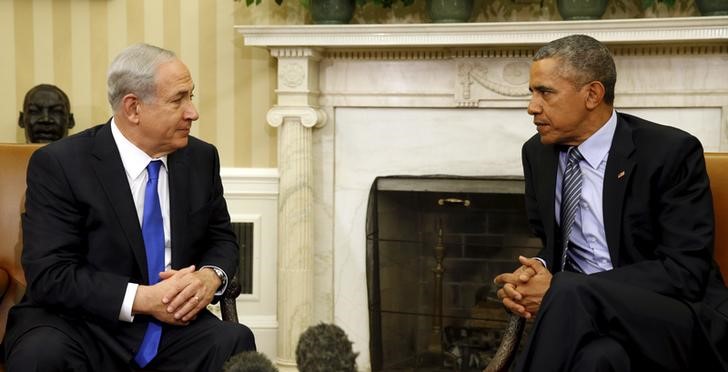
{"x": 522, "y": 290}
{"x": 179, "y": 295}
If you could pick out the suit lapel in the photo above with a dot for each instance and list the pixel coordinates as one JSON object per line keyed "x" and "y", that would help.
{"x": 617, "y": 176}
{"x": 178, "y": 201}
{"x": 111, "y": 175}
{"x": 547, "y": 189}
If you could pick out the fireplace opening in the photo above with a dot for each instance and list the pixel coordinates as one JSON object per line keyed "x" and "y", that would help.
{"x": 434, "y": 245}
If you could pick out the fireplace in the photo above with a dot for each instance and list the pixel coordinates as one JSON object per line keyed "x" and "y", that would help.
{"x": 434, "y": 245}
{"x": 357, "y": 102}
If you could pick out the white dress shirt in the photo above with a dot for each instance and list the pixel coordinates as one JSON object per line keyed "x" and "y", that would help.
{"x": 135, "y": 163}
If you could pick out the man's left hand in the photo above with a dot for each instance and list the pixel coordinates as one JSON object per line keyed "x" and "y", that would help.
{"x": 194, "y": 293}
{"x": 532, "y": 292}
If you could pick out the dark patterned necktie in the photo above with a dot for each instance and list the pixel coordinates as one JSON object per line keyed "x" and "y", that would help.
{"x": 570, "y": 196}
{"x": 153, "y": 233}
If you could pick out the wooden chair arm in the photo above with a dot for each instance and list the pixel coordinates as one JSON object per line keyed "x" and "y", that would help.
{"x": 509, "y": 345}
{"x": 228, "y": 304}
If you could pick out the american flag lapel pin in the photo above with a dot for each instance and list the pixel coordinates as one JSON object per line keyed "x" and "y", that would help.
{"x": 620, "y": 174}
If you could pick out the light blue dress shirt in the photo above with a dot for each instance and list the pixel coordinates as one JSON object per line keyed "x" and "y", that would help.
{"x": 588, "y": 229}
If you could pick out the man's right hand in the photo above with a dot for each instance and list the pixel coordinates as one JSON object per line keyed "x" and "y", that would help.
{"x": 520, "y": 293}
{"x": 148, "y": 299}
{"x": 507, "y": 292}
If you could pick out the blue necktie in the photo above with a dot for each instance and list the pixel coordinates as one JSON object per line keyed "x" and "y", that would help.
{"x": 570, "y": 196}
{"x": 153, "y": 233}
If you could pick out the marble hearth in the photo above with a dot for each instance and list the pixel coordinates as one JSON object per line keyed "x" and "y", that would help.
{"x": 360, "y": 101}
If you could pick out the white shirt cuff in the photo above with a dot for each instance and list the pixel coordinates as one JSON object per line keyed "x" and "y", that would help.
{"x": 543, "y": 262}
{"x": 125, "y": 313}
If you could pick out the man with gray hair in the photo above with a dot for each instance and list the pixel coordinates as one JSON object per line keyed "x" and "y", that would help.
{"x": 127, "y": 237}
{"x": 626, "y": 278}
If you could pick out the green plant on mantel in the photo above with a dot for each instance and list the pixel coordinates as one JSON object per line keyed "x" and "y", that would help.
{"x": 381, "y": 3}
{"x": 385, "y": 3}
{"x": 257, "y": 2}
{"x": 648, "y": 3}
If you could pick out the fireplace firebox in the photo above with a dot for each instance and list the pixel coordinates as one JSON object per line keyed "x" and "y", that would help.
{"x": 434, "y": 244}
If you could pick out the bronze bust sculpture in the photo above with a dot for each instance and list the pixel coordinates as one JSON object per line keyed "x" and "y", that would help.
{"x": 46, "y": 115}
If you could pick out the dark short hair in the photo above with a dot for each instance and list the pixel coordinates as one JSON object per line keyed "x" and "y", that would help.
{"x": 325, "y": 348}
{"x": 584, "y": 59}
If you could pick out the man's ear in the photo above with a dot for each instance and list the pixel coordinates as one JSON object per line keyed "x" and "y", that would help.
{"x": 20, "y": 120}
{"x": 595, "y": 94}
{"x": 130, "y": 107}
{"x": 71, "y": 120}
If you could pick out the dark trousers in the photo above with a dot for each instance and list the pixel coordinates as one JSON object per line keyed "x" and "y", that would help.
{"x": 203, "y": 345}
{"x": 588, "y": 323}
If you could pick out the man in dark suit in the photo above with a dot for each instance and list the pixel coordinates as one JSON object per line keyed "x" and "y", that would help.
{"x": 624, "y": 210}
{"x": 127, "y": 237}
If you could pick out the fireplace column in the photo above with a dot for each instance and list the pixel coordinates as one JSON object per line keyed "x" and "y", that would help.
{"x": 295, "y": 115}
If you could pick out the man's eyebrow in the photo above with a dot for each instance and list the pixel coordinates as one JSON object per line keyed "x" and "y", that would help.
{"x": 541, "y": 88}
{"x": 179, "y": 94}
{"x": 185, "y": 92}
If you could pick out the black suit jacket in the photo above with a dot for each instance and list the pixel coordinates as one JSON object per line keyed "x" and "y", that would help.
{"x": 658, "y": 217}
{"x": 83, "y": 242}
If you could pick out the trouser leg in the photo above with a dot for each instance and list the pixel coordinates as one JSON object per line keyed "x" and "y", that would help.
{"x": 658, "y": 332}
{"x": 45, "y": 349}
{"x": 203, "y": 345}
{"x": 603, "y": 354}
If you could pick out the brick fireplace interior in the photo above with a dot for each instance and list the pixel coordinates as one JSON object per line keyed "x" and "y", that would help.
{"x": 478, "y": 227}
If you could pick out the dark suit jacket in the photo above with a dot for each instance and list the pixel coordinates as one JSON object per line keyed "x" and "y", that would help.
{"x": 83, "y": 242}
{"x": 658, "y": 217}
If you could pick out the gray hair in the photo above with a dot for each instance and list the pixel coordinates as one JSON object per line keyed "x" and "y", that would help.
{"x": 584, "y": 59}
{"x": 134, "y": 71}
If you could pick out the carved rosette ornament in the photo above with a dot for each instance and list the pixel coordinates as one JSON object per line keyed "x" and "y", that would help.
{"x": 292, "y": 75}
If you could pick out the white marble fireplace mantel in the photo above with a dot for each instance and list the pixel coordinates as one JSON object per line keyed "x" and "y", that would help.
{"x": 641, "y": 30}
{"x": 360, "y": 101}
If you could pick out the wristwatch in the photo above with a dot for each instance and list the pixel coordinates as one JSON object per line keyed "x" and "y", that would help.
{"x": 220, "y": 274}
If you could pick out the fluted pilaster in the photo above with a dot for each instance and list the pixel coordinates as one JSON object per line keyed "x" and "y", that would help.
{"x": 295, "y": 116}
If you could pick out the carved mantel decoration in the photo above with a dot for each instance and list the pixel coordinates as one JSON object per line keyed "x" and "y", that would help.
{"x": 360, "y": 101}
{"x": 506, "y": 78}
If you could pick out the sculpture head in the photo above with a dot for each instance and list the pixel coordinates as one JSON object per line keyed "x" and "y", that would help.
{"x": 46, "y": 115}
